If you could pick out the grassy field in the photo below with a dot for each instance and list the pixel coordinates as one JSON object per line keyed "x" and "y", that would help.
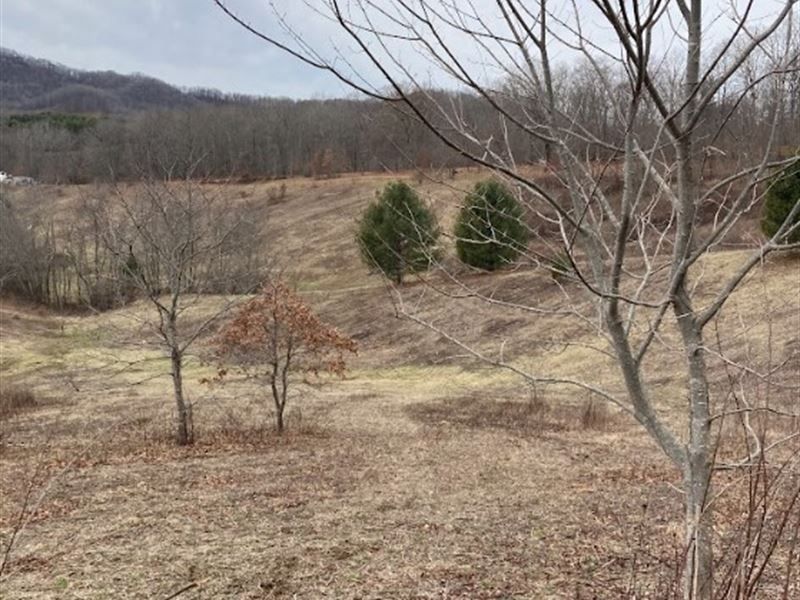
{"x": 422, "y": 474}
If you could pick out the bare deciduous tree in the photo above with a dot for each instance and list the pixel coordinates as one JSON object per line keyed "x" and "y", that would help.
{"x": 665, "y": 85}
{"x": 173, "y": 242}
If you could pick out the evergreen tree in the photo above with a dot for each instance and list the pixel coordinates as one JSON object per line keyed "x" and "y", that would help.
{"x": 398, "y": 233}
{"x": 782, "y": 196}
{"x": 489, "y": 230}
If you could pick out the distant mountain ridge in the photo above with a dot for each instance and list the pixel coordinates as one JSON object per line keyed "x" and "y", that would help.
{"x": 33, "y": 84}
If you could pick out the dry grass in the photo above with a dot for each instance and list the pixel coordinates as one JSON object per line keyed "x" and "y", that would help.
{"x": 364, "y": 504}
{"x": 420, "y": 475}
{"x": 15, "y": 399}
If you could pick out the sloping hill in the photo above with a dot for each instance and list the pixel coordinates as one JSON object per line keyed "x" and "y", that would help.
{"x": 420, "y": 474}
{"x": 310, "y": 228}
{"x": 28, "y": 83}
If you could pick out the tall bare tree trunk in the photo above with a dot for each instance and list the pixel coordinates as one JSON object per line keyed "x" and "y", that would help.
{"x": 698, "y": 571}
{"x": 279, "y": 417}
{"x": 276, "y": 394}
{"x": 699, "y": 568}
{"x": 183, "y": 433}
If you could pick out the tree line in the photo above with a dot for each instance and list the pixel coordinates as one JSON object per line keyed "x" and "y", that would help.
{"x": 268, "y": 138}
{"x": 121, "y": 244}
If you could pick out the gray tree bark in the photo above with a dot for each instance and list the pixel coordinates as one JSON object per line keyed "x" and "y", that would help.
{"x": 184, "y": 431}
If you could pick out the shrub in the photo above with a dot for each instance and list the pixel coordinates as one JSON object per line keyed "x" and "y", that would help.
{"x": 489, "y": 230}
{"x": 782, "y": 195}
{"x": 398, "y": 233}
{"x": 275, "y": 334}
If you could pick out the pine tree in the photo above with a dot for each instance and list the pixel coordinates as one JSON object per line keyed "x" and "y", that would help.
{"x": 398, "y": 233}
{"x": 782, "y": 196}
{"x": 489, "y": 230}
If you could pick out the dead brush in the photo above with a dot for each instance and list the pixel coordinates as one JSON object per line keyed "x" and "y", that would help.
{"x": 487, "y": 412}
{"x": 594, "y": 415}
{"x": 15, "y": 399}
{"x": 537, "y": 406}
{"x": 276, "y": 194}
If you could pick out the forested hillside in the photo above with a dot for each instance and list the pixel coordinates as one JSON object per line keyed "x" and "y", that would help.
{"x": 140, "y": 126}
{"x": 28, "y": 83}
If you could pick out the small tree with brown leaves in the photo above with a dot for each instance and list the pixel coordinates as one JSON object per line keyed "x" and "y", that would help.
{"x": 276, "y": 333}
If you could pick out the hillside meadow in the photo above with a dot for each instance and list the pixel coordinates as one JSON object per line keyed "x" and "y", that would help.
{"x": 422, "y": 473}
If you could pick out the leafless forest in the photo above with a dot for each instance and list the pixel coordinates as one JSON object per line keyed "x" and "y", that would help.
{"x": 529, "y": 328}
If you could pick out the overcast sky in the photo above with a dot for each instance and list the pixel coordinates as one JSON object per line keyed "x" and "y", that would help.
{"x": 184, "y": 42}
{"x": 193, "y": 43}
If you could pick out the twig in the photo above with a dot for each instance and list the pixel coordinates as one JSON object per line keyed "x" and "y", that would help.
{"x": 185, "y": 588}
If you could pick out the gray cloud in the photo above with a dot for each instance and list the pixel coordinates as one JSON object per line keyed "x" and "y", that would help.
{"x": 192, "y": 43}
{"x": 184, "y": 42}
